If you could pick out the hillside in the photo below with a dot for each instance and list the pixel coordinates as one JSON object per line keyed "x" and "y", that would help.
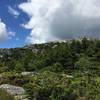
{"x": 54, "y": 71}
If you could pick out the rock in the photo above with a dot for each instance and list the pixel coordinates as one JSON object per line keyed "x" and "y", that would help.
{"x": 68, "y": 76}
{"x": 26, "y": 73}
{"x": 0, "y": 75}
{"x": 13, "y": 90}
{"x": 54, "y": 46}
{"x": 21, "y": 97}
{"x": 1, "y": 56}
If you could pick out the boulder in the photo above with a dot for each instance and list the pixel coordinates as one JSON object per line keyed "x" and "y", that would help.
{"x": 13, "y": 90}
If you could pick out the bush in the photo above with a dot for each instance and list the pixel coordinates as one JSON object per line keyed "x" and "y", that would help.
{"x": 83, "y": 64}
{"x": 5, "y": 96}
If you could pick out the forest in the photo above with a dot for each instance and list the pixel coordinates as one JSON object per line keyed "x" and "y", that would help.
{"x": 67, "y": 70}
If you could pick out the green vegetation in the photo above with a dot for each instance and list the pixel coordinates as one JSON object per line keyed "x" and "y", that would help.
{"x": 5, "y": 96}
{"x": 62, "y": 71}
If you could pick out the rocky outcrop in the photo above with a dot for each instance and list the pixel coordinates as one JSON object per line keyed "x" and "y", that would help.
{"x": 13, "y": 90}
{"x": 29, "y": 73}
{"x": 17, "y": 92}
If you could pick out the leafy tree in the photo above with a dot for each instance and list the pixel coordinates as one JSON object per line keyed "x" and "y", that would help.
{"x": 76, "y": 46}
{"x": 83, "y": 64}
{"x": 85, "y": 44}
{"x": 19, "y": 67}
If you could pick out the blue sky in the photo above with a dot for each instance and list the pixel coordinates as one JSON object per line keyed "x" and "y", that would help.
{"x": 13, "y": 24}
{"x": 38, "y": 21}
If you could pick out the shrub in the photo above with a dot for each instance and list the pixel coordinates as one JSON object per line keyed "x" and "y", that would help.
{"x": 5, "y": 96}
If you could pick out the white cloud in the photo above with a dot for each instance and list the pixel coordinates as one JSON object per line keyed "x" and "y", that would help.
{"x": 61, "y": 19}
{"x": 4, "y": 33}
{"x": 13, "y": 12}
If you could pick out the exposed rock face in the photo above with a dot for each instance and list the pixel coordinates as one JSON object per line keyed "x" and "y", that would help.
{"x": 68, "y": 76}
{"x": 27, "y": 73}
{"x": 13, "y": 90}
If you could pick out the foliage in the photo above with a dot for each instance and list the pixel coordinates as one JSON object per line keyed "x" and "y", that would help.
{"x": 83, "y": 64}
{"x": 5, "y": 96}
{"x": 62, "y": 71}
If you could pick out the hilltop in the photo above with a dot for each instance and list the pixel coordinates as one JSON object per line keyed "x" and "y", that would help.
{"x": 66, "y": 70}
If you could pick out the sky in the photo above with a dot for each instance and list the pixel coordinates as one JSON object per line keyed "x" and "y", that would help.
{"x": 38, "y": 21}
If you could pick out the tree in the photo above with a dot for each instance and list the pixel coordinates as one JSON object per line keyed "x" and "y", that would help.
{"x": 19, "y": 67}
{"x": 83, "y": 64}
{"x": 76, "y": 46}
{"x": 85, "y": 44}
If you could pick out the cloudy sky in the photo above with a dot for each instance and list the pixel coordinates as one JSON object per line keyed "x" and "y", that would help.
{"x": 40, "y": 21}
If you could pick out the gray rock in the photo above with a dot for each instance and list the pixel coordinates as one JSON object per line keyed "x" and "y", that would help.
{"x": 26, "y": 73}
{"x": 20, "y": 97}
{"x": 13, "y": 90}
{"x": 68, "y": 76}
